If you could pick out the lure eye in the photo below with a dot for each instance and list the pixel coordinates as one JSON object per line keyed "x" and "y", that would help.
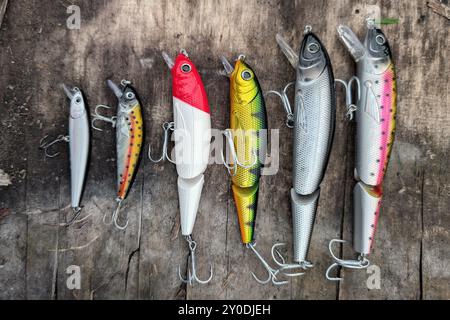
{"x": 129, "y": 95}
{"x": 186, "y": 68}
{"x": 78, "y": 100}
{"x": 380, "y": 40}
{"x": 246, "y": 75}
{"x": 313, "y": 48}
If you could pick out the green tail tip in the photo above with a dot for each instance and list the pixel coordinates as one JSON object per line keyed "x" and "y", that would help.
{"x": 386, "y": 21}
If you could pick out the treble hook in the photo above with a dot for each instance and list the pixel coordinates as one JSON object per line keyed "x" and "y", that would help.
{"x": 351, "y": 107}
{"x": 115, "y": 216}
{"x": 288, "y": 266}
{"x": 272, "y": 272}
{"x": 44, "y": 146}
{"x": 361, "y": 263}
{"x": 192, "y": 273}
{"x": 167, "y": 126}
{"x": 232, "y": 169}
{"x": 286, "y": 104}
{"x": 76, "y": 214}
{"x": 98, "y": 117}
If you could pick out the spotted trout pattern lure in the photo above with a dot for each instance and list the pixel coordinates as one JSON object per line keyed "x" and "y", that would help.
{"x": 375, "y": 117}
{"x": 129, "y": 138}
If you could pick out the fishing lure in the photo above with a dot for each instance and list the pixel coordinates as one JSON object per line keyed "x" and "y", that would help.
{"x": 375, "y": 117}
{"x": 248, "y": 119}
{"x": 313, "y": 121}
{"x": 129, "y": 126}
{"x": 79, "y": 141}
{"x": 192, "y": 133}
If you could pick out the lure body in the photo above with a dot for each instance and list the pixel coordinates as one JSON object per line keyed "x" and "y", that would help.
{"x": 78, "y": 145}
{"x": 192, "y": 132}
{"x": 129, "y": 137}
{"x": 129, "y": 126}
{"x": 375, "y": 117}
{"x": 247, "y": 118}
{"x": 313, "y": 122}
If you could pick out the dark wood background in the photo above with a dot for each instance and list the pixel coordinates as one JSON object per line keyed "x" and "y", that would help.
{"x": 124, "y": 39}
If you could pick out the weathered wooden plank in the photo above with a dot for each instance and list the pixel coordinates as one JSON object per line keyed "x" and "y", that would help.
{"x": 3, "y": 6}
{"x": 125, "y": 40}
{"x": 323, "y": 17}
{"x": 13, "y": 221}
{"x": 436, "y": 224}
{"x": 109, "y": 263}
{"x": 434, "y": 135}
{"x": 398, "y": 250}
{"x": 162, "y": 249}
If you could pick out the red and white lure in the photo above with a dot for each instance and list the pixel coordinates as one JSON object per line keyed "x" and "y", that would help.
{"x": 375, "y": 117}
{"x": 192, "y": 135}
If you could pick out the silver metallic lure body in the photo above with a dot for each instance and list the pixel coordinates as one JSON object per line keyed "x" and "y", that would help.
{"x": 313, "y": 120}
{"x": 79, "y": 141}
{"x": 78, "y": 145}
{"x": 375, "y": 116}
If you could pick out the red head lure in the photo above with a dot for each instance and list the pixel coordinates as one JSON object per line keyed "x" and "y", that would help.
{"x": 192, "y": 133}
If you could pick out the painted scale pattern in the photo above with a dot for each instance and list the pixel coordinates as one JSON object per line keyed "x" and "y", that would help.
{"x": 387, "y": 88}
{"x": 129, "y": 145}
{"x": 248, "y": 116}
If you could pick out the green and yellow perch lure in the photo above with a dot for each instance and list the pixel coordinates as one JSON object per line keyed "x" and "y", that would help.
{"x": 248, "y": 122}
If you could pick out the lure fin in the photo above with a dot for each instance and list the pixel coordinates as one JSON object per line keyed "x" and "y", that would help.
{"x": 287, "y": 50}
{"x": 351, "y": 42}
{"x": 67, "y": 91}
{"x": 371, "y": 107}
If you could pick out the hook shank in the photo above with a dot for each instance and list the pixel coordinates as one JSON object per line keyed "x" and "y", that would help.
{"x": 192, "y": 272}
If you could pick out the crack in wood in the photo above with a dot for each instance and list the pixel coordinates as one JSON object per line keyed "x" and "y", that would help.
{"x": 439, "y": 8}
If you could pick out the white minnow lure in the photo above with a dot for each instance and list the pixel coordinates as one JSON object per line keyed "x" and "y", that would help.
{"x": 192, "y": 134}
{"x": 129, "y": 126}
{"x": 375, "y": 117}
{"x": 78, "y": 140}
{"x": 313, "y": 120}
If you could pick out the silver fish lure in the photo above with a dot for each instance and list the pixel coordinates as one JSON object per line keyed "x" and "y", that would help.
{"x": 375, "y": 116}
{"x": 78, "y": 140}
{"x": 129, "y": 138}
{"x": 313, "y": 120}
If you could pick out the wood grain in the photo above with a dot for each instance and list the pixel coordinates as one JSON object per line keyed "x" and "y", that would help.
{"x": 123, "y": 40}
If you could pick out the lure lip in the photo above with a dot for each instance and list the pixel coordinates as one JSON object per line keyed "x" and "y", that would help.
{"x": 169, "y": 60}
{"x": 115, "y": 88}
{"x": 69, "y": 92}
{"x": 351, "y": 42}
{"x": 287, "y": 50}
{"x": 228, "y": 68}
